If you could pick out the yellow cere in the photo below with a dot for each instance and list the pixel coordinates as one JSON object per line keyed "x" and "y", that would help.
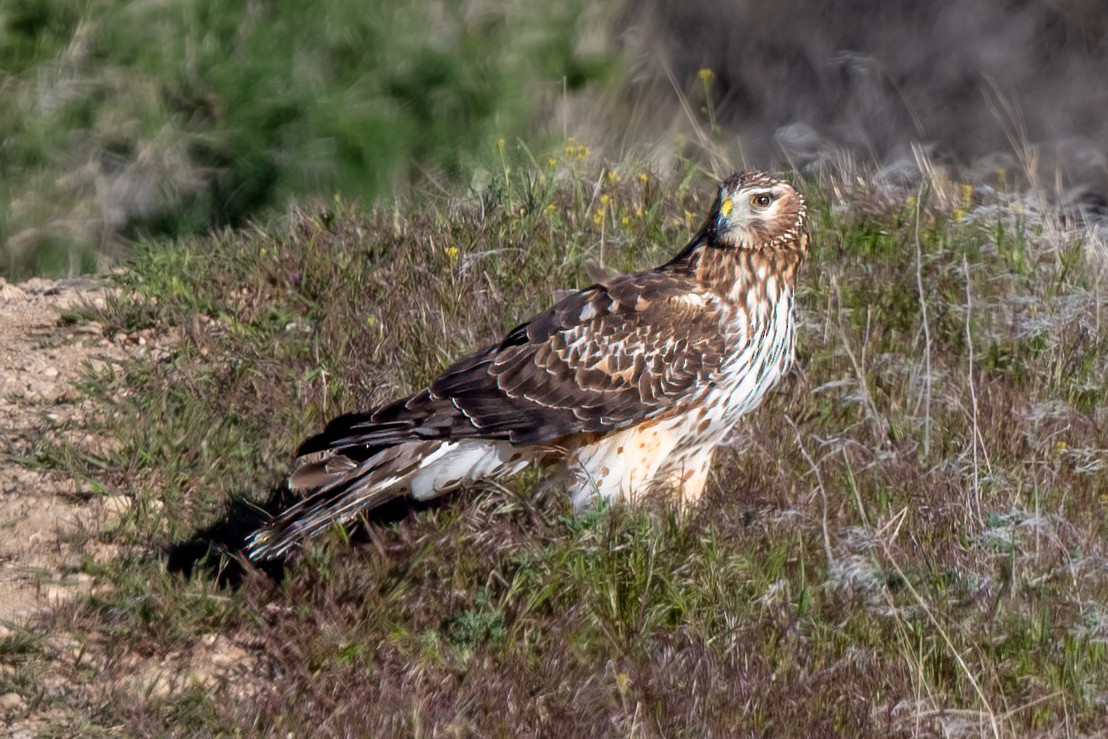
{"x": 726, "y": 207}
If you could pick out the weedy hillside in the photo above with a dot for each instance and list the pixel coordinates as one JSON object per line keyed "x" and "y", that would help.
{"x": 908, "y": 539}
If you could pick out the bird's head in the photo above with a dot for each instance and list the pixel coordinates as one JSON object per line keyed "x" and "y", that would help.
{"x": 756, "y": 211}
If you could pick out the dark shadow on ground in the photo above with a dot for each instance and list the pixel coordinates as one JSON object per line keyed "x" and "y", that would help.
{"x": 218, "y": 550}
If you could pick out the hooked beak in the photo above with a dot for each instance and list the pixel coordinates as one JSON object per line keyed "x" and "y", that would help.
{"x": 725, "y": 208}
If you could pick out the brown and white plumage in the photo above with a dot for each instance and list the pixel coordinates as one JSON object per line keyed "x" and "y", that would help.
{"x": 629, "y": 383}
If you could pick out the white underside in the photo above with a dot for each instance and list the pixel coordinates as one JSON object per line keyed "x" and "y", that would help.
{"x": 456, "y": 463}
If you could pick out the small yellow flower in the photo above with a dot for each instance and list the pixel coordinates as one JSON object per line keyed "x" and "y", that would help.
{"x": 1060, "y": 445}
{"x": 597, "y": 217}
{"x": 705, "y": 74}
{"x": 959, "y": 214}
{"x": 371, "y": 321}
{"x": 613, "y": 176}
{"x": 550, "y": 207}
{"x": 967, "y": 196}
{"x": 605, "y": 198}
{"x": 638, "y": 212}
{"x": 264, "y": 251}
{"x": 451, "y": 253}
{"x": 552, "y": 162}
{"x": 625, "y": 221}
{"x": 644, "y": 177}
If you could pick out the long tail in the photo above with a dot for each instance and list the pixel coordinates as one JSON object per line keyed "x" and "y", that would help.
{"x": 339, "y": 488}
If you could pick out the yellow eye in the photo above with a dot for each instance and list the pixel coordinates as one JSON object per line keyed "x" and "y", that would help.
{"x": 761, "y": 200}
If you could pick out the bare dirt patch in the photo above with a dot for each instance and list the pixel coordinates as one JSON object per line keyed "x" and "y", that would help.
{"x": 41, "y": 511}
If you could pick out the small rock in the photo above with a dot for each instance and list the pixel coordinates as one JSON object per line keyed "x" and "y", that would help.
{"x": 11, "y": 702}
{"x": 50, "y": 372}
{"x": 10, "y": 293}
{"x": 56, "y": 593}
{"x": 114, "y": 506}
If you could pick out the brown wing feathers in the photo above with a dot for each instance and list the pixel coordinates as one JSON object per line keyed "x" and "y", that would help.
{"x": 600, "y": 359}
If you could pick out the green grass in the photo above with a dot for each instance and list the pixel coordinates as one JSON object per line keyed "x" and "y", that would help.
{"x": 879, "y": 552}
{"x": 120, "y": 120}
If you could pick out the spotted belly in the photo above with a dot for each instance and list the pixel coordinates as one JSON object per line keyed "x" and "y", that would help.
{"x": 674, "y": 452}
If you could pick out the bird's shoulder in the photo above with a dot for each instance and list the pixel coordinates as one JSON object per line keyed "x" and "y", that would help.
{"x": 621, "y": 335}
{"x": 654, "y": 299}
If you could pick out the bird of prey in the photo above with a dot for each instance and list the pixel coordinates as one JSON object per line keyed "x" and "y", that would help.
{"x": 629, "y": 384}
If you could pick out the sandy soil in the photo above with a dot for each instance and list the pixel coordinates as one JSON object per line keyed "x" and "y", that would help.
{"x": 50, "y": 523}
{"x": 43, "y": 513}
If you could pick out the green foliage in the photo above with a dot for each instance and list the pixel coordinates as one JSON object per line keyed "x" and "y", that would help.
{"x": 34, "y": 31}
{"x": 124, "y": 118}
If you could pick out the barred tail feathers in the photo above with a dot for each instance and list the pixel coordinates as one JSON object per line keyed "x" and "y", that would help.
{"x": 423, "y": 470}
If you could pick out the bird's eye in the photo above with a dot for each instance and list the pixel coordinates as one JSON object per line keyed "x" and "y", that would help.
{"x": 761, "y": 200}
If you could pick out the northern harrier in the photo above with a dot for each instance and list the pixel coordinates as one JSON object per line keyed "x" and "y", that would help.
{"x": 628, "y": 384}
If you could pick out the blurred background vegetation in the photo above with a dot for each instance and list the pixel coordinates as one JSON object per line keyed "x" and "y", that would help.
{"x": 123, "y": 120}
